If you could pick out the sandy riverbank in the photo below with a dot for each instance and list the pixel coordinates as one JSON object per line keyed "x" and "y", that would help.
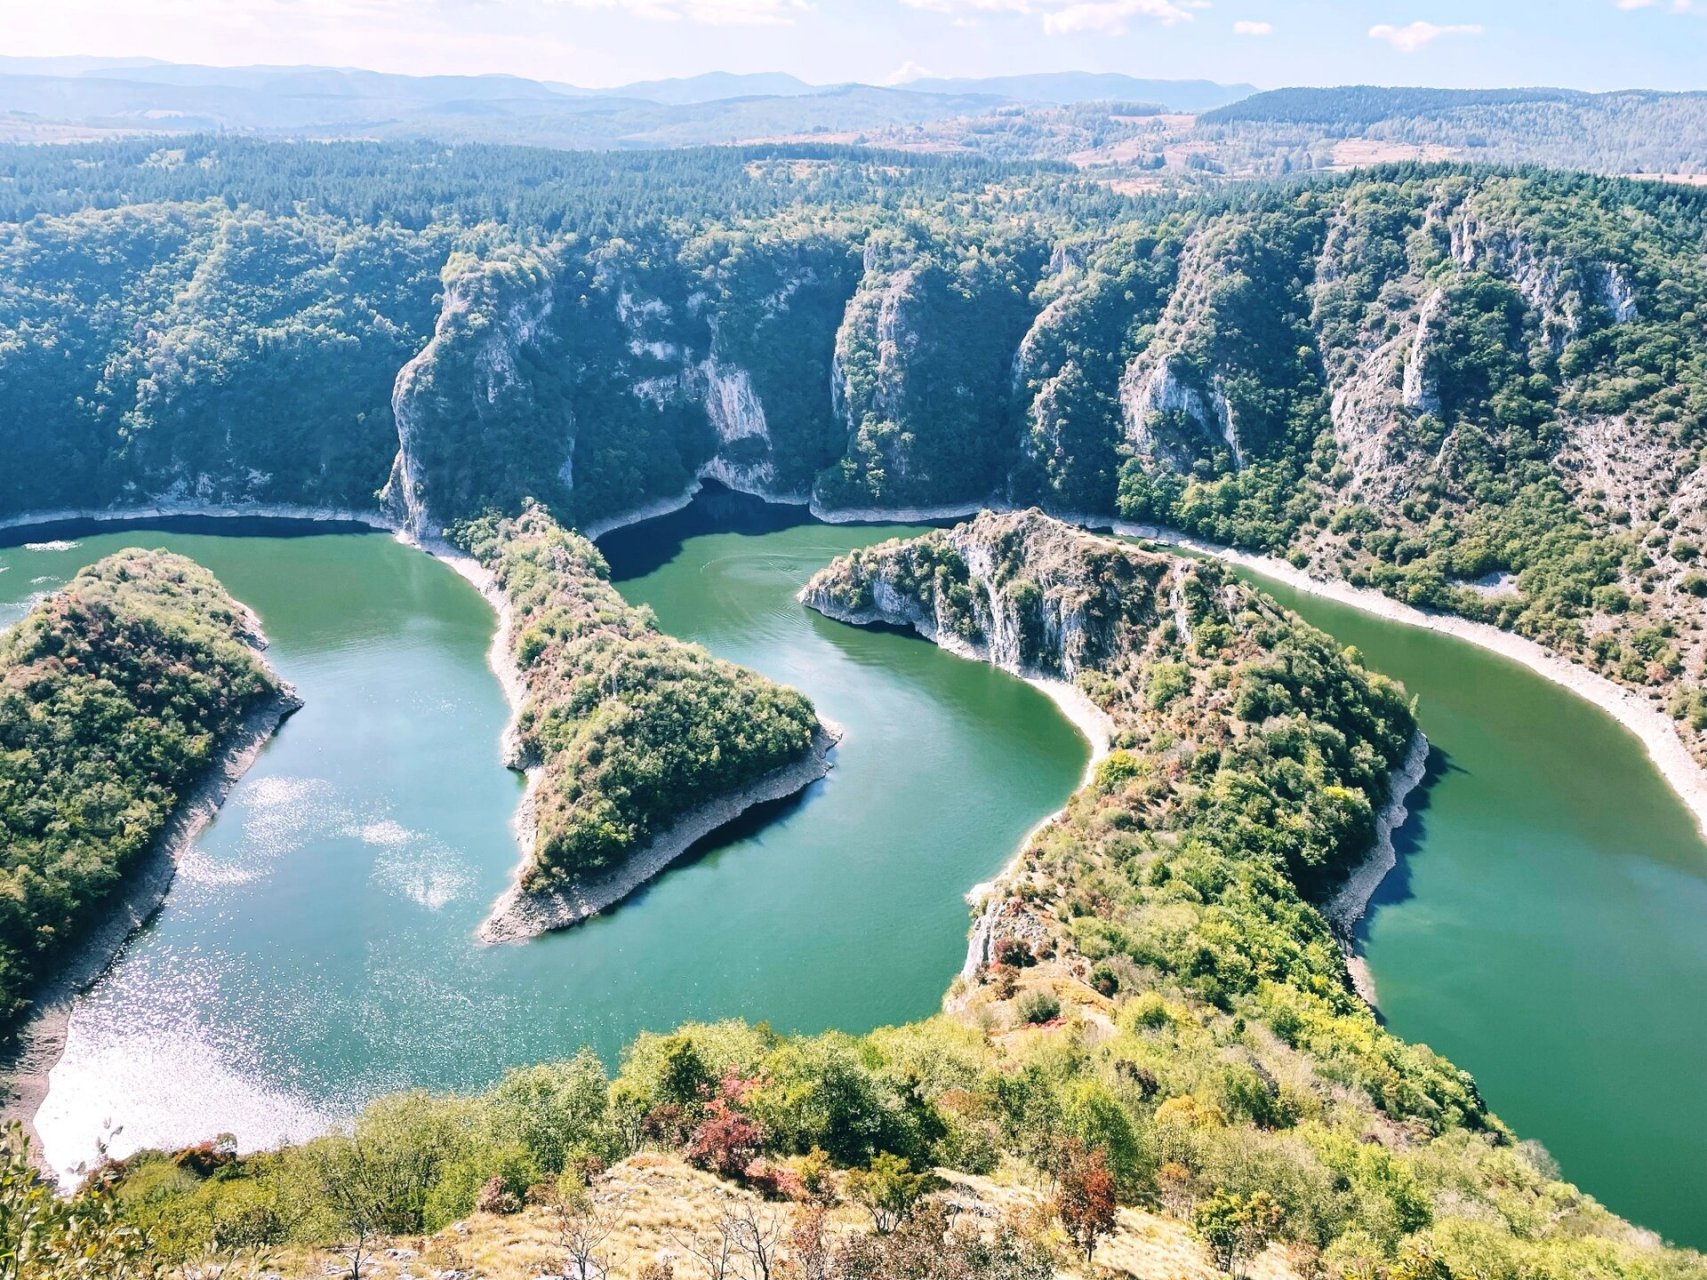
{"x": 41, "y": 1042}
{"x": 900, "y": 515}
{"x": 1649, "y": 723}
{"x": 519, "y": 915}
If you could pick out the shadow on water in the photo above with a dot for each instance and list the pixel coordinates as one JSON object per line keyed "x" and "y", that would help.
{"x": 221, "y": 526}
{"x": 640, "y": 549}
{"x": 1396, "y": 888}
{"x": 747, "y": 825}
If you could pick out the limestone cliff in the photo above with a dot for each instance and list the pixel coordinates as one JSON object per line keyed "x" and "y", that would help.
{"x": 472, "y": 392}
{"x": 1026, "y": 592}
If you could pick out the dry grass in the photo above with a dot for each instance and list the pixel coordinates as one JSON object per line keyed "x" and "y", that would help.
{"x": 656, "y": 1202}
{"x": 1356, "y": 153}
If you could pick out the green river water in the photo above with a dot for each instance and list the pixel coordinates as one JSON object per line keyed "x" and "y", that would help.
{"x": 1544, "y": 928}
{"x": 318, "y": 945}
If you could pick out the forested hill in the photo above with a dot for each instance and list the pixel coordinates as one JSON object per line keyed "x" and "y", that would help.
{"x": 144, "y": 640}
{"x": 630, "y": 732}
{"x": 1629, "y": 131}
{"x": 1480, "y": 390}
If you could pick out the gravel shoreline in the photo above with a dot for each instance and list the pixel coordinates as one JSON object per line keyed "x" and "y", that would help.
{"x": 519, "y": 915}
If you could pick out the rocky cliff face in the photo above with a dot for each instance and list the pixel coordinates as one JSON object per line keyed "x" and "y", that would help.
{"x": 1027, "y": 592}
{"x": 1175, "y": 409}
{"x": 598, "y": 380}
{"x": 743, "y": 459}
{"x": 921, "y": 378}
{"x": 475, "y": 390}
{"x": 1391, "y": 286}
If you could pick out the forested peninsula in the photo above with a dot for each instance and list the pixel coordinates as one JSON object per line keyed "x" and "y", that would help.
{"x": 119, "y": 695}
{"x": 636, "y": 744}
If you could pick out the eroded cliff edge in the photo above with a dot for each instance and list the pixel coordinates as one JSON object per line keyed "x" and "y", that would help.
{"x": 1254, "y": 773}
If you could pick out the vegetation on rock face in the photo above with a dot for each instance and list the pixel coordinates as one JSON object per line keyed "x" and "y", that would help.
{"x": 117, "y": 694}
{"x": 632, "y": 729}
{"x": 1476, "y": 390}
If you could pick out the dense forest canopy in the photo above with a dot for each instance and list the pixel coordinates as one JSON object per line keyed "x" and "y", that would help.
{"x": 1426, "y": 378}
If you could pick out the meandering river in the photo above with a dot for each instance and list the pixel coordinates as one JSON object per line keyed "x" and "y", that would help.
{"x": 318, "y": 947}
{"x": 1545, "y": 927}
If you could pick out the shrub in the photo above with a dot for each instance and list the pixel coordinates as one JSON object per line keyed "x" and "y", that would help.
{"x": 888, "y": 1190}
{"x": 1037, "y": 1006}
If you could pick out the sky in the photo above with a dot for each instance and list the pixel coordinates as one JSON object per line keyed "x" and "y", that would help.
{"x": 1588, "y": 44}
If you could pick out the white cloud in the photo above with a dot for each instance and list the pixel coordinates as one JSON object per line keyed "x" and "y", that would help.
{"x": 1243, "y": 28}
{"x": 1408, "y": 39}
{"x": 1676, "y": 6}
{"x": 907, "y": 72}
{"x": 720, "y": 13}
{"x": 1069, "y": 17}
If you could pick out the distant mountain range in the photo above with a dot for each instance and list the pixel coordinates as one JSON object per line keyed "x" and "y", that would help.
{"x": 1066, "y": 87}
{"x": 58, "y": 97}
{"x": 1151, "y": 133}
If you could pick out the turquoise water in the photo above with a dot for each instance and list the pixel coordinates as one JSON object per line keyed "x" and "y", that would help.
{"x": 318, "y": 945}
{"x": 1547, "y": 925}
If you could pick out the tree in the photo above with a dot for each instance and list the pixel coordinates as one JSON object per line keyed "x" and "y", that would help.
{"x": 582, "y": 1226}
{"x": 888, "y": 1189}
{"x": 714, "y": 1251}
{"x": 1084, "y": 1195}
{"x": 757, "y": 1234}
{"x": 360, "y": 1198}
{"x": 44, "y": 1236}
{"x": 726, "y": 1141}
{"x": 1236, "y": 1227}
{"x": 808, "y": 1246}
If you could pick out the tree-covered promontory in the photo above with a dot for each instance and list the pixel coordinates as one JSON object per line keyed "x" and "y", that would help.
{"x": 118, "y": 695}
{"x": 631, "y": 731}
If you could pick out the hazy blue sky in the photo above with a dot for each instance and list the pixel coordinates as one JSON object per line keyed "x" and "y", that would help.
{"x": 1595, "y": 44}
